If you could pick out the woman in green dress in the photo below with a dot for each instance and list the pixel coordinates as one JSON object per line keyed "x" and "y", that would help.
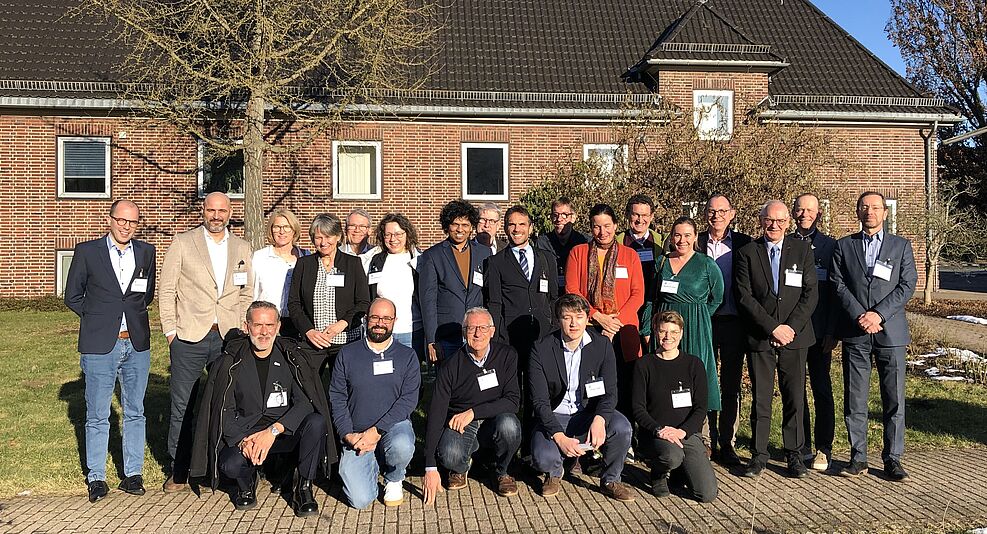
{"x": 691, "y": 284}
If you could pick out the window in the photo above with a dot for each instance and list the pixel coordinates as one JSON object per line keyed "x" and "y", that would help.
{"x": 608, "y": 156}
{"x": 484, "y": 171}
{"x": 63, "y": 260}
{"x": 356, "y": 169}
{"x": 84, "y": 167}
{"x": 713, "y": 114}
{"x": 891, "y": 222}
{"x": 220, "y": 171}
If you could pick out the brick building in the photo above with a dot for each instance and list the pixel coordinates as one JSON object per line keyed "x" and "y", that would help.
{"x": 521, "y": 84}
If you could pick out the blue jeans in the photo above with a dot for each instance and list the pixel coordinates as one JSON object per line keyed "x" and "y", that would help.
{"x": 359, "y": 473}
{"x": 101, "y": 372}
{"x": 502, "y": 433}
{"x": 414, "y": 340}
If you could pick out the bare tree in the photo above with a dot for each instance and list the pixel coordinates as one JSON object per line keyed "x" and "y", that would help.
{"x": 267, "y": 76}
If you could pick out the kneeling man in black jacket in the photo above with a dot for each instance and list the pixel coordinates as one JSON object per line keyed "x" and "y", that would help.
{"x": 263, "y": 397}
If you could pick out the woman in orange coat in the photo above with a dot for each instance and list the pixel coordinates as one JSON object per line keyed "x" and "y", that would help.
{"x": 609, "y": 276}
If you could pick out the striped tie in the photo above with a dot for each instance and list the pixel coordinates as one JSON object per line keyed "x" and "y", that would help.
{"x": 523, "y": 260}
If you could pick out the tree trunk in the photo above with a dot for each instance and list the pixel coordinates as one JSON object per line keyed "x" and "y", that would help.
{"x": 253, "y": 174}
{"x": 931, "y": 264}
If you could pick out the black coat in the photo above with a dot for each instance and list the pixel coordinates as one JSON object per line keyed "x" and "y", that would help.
{"x": 352, "y": 299}
{"x": 521, "y": 312}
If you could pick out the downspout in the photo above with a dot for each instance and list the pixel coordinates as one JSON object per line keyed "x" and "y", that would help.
{"x": 931, "y": 267}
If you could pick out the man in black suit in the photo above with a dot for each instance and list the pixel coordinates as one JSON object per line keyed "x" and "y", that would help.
{"x": 874, "y": 274}
{"x": 110, "y": 284}
{"x": 776, "y": 294}
{"x": 729, "y": 339}
{"x": 563, "y": 236}
{"x": 572, "y": 377}
{"x": 451, "y": 279}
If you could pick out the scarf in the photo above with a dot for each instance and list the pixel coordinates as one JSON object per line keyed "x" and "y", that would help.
{"x": 600, "y": 292}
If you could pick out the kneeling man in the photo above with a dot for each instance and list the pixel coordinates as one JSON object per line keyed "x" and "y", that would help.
{"x": 373, "y": 391}
{"x": 572, "y": 376}
{"x": 261, "y": 398}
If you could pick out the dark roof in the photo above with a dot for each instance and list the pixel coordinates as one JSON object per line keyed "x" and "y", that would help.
{"x": 703, "y": 34}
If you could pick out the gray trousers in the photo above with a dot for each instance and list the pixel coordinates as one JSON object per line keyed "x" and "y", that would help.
{"x": 665, "y": 456}
{"x": 188, "y": 359}
{"x": 856, "y": 390}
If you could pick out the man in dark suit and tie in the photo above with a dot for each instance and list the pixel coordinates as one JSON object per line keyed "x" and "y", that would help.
{"x": 110, "y": 284}
{"x": 776, "y": 294}
{"x": 450, "y": 279}
{"x": 874, "y": 275}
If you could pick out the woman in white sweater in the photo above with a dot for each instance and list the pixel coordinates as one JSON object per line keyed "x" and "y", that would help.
{"x": 393, "y": 274}
{"x": 274, "y": 263}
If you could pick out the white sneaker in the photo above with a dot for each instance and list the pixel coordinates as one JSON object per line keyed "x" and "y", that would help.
{"x": 393, "y": 493}
{"x": 821, "y": 463}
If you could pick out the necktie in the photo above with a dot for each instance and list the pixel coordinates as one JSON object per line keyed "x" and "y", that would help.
{"x": 523, "y": 260}
{"x": 775, "y": 265}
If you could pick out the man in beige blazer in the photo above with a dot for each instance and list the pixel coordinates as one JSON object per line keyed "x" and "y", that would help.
{"x": 206, "y": 286}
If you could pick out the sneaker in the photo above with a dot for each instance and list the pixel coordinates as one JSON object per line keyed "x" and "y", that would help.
{"x": 134, "y": 485}
{"x": 457, "y": 481}
{"x": 551, "y": 486}
{"x": 821, "y": 461}
{"x": 854, "y": 469}
{"x": 659, "y": 485}
{"x": 894, "y": 471}
{"x": 393, "y": 493}
{"x": 506, "y": 486}
{"x": 617, "y": 491}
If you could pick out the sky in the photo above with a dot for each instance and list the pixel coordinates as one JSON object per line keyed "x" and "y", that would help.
{"x": 865, "y": 21}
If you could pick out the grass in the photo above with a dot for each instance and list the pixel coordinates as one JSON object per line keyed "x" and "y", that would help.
{"x": 42, "y": 410}
{"x": 945, "y": 307}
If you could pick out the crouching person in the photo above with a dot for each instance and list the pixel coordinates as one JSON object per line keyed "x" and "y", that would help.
{"x": 262, "y": 397}
{"x": 474, "y": 404}
{"x": 669, "y": 401}
{"x": 373, "y": 392}
{"x": 572, "y": 377}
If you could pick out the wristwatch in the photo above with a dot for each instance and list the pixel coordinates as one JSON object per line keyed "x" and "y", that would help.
{"x": 275, "y": 431}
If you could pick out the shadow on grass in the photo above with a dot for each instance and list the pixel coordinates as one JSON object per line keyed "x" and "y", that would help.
{"x": 156, "y": 409}
{"x": 947, "y": 417}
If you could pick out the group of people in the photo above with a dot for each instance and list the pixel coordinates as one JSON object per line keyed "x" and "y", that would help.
{"x": 554, "y": 349}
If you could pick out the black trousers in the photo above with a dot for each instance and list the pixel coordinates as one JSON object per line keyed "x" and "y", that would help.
{"x": 729, "y": 344}
{"x": 665, "y": 456}
{"x": 819, "y": 362}
{"x": 790, "y": 365}
{"x": 308, "y": 439}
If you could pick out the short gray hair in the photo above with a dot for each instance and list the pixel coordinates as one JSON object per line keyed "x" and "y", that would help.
{"x": 490, "y": 206}
{"x": 475, "y": 311}
{"x": 261, "y": 305}
{"x": 767, "y": 205}
{"x": 361, "y": 212}
{"x": 326, "y": 224}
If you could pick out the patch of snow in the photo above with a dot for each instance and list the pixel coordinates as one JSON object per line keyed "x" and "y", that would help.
{"x": 982, "y": 530}
{"x": 932, "y": 371}
{"x": 962, "y": 354}
{"x": 968, "y": 319}
{"x": 949, "y": 378}
{"x": 916, "y": 362}
{"x": 25, "y": 493}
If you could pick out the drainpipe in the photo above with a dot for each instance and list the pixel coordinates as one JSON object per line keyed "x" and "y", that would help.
{"x": 931, "y": 269}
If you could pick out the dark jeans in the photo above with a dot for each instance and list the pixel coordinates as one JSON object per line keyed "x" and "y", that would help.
{"x": 729, "y": 345}
{"x": 309, "y": 439}
{"x": 547, "y": 458}
{"x": 666, "y": 456}
{"x": 790, "y": 364}
{"x": 821, "y": 382}
{"x": 502, "y": 433}
{"x": 188, "y": 360}
{"x": 856, "y": 388}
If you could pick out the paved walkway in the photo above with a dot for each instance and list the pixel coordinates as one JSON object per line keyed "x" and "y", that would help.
{"x": 947, "y": 490}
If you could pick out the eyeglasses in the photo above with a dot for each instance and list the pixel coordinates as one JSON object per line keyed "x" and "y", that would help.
{"x": 483, "y": 328}
{"x": 776, "y": 222}
{"x": 718, "y": 212}
{"x": 278, "y": 228}
{"x": 562, "y": 214}
{"x": 395, "y": 235}
{"x": 488, "y": 221}
{"x": 379, "y": 319}
{"x": 363, "y": 227}
{"x": 124, "y": 222}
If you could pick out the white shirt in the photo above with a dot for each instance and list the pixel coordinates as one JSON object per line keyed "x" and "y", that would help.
{"x": 396, "y": 282}
{"x": 271, "y": 280}
{"x": 572, "y": 401}
{"x": 218, "y": 254}
{"x": 124, "y": 264}
{"x": 529, "y": 255}
{"x": 390, "y": 341}
{"x": 365, "y": 257}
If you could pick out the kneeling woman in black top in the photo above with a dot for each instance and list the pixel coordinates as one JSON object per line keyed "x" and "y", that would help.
{"x": 669, "y": 402}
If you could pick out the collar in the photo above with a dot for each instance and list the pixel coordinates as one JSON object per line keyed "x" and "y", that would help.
{"x": 526, "y": 248}
{"x": 808, "y": 237}
{"x": 769, "y": 244}
{"x": 482, "y": 360}
{"x": 728, "y": 236}
{"x": 390, "y": 341}
{"x": 454, "y": 248}
{"x": 582, "y": 342}
{"x": 111, "y": 246}
{"x": 209, "y": 239}
{"x": 879, "y": 236}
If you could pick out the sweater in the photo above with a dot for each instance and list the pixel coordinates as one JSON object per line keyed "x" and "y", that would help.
{"x": 651, "y": 396}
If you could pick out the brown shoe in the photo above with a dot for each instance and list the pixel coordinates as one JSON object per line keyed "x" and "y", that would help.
{"x": 170, "y": 486}
{"x": 457, "y": 481}
{"x": 551, "y": 486}
{"x": 617, "y": 491}
{"x": 506, "y": 486}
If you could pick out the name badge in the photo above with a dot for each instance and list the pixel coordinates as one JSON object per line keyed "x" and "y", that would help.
{"x": 335, "y": 280}
{"x": 543, "y": 285}
{"x": 670, "y": 286}
{"x": 383, "y": 367}
{"x": 487, "y": 379}
{"x": 139, "y": 285}
{"x": 277, "y": 399}
{"x": 822, "y": 275}
{"x": 882, "y": 270}
{"x": 374, "y": 278}
{"x": 239, "y": 278}
{"x": 561, "y": 281}
{"x": 595, "y": 388}
{"x": 646, "y": 254}
{"x": 793, "y": 278}
{"x": 620, "y": 272}
{"x": 682, "y": 399}
{"x": 478, "y": 278}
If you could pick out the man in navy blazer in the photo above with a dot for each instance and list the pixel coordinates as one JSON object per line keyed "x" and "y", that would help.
{"x": 110, "y": 284}
{"x": 874, "y": 275}
{"x": 572, "y": 377}
{"x": 450, "y": 279}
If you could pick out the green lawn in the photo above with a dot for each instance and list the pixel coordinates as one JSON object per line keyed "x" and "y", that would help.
{"x": 42, "y": 409}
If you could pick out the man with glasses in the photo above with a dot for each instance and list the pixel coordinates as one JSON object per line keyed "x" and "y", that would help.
{"x": 719, "y": 242}
{"x": 110, "y": 284}
{"x": 373, "y": 391}
{"x": 473, "y": 405}
{"x": 776, "y": 295}
{"x": 486, "y": 231}
{"x": 358, "y": 237}
{"x": 639, "y": 236}
{"x": 563, "y": 236}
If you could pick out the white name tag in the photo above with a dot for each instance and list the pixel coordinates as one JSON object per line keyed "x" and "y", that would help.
{"x": 478, "y": 278}
{"x": 277, "y": 399}
{"x": 335, "y": 280}
{"x": 793, "y": 278}
{"x": 240, "y": 278}
{"x": 383, "y": 367}
{"x": 822, "y": 275}
{"x": 595, "y": 388}
{"x": 882, "y": 270}
{"x": 374, "y": 278}
{"x": 543, "y": 285}
{"x": 139, "y": 285}
{"x": 620, "y": 272}
{"x": 646, "y": 254}
{"x": 682, "y": 399}
{"x": 487, "y": 379}
{"x": 670, "y": 286}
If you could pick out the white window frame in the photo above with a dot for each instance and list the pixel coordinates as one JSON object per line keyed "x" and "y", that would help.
{"x": 335, "y": 169}
{"x": 61, "y": 168}
{"x": 606, "y": 146}
{"x": 201, "y": 174}
{"x": 891, "y": 223}
{"x": 713, "y": 135}
{"x": 60, "y": 256}
{"x": 505, "y": 148}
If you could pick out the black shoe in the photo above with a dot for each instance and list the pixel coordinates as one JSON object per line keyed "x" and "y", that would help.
{"x": 97, "y": 490}
{"x": 796, "y": 469}
{"x": 894, "y": 471}
{"x": 134, "y": 485}
{"x": 753, "y": 469}
{"x": 246, "y": 499}
{"x": 728, "y": 456}
{"x": 303, "y": 502}
{"x": 659, "y": 485}
{"x": 854, "y": 469}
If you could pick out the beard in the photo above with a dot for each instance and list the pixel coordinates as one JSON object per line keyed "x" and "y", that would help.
{"x": 378, "y": 336}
